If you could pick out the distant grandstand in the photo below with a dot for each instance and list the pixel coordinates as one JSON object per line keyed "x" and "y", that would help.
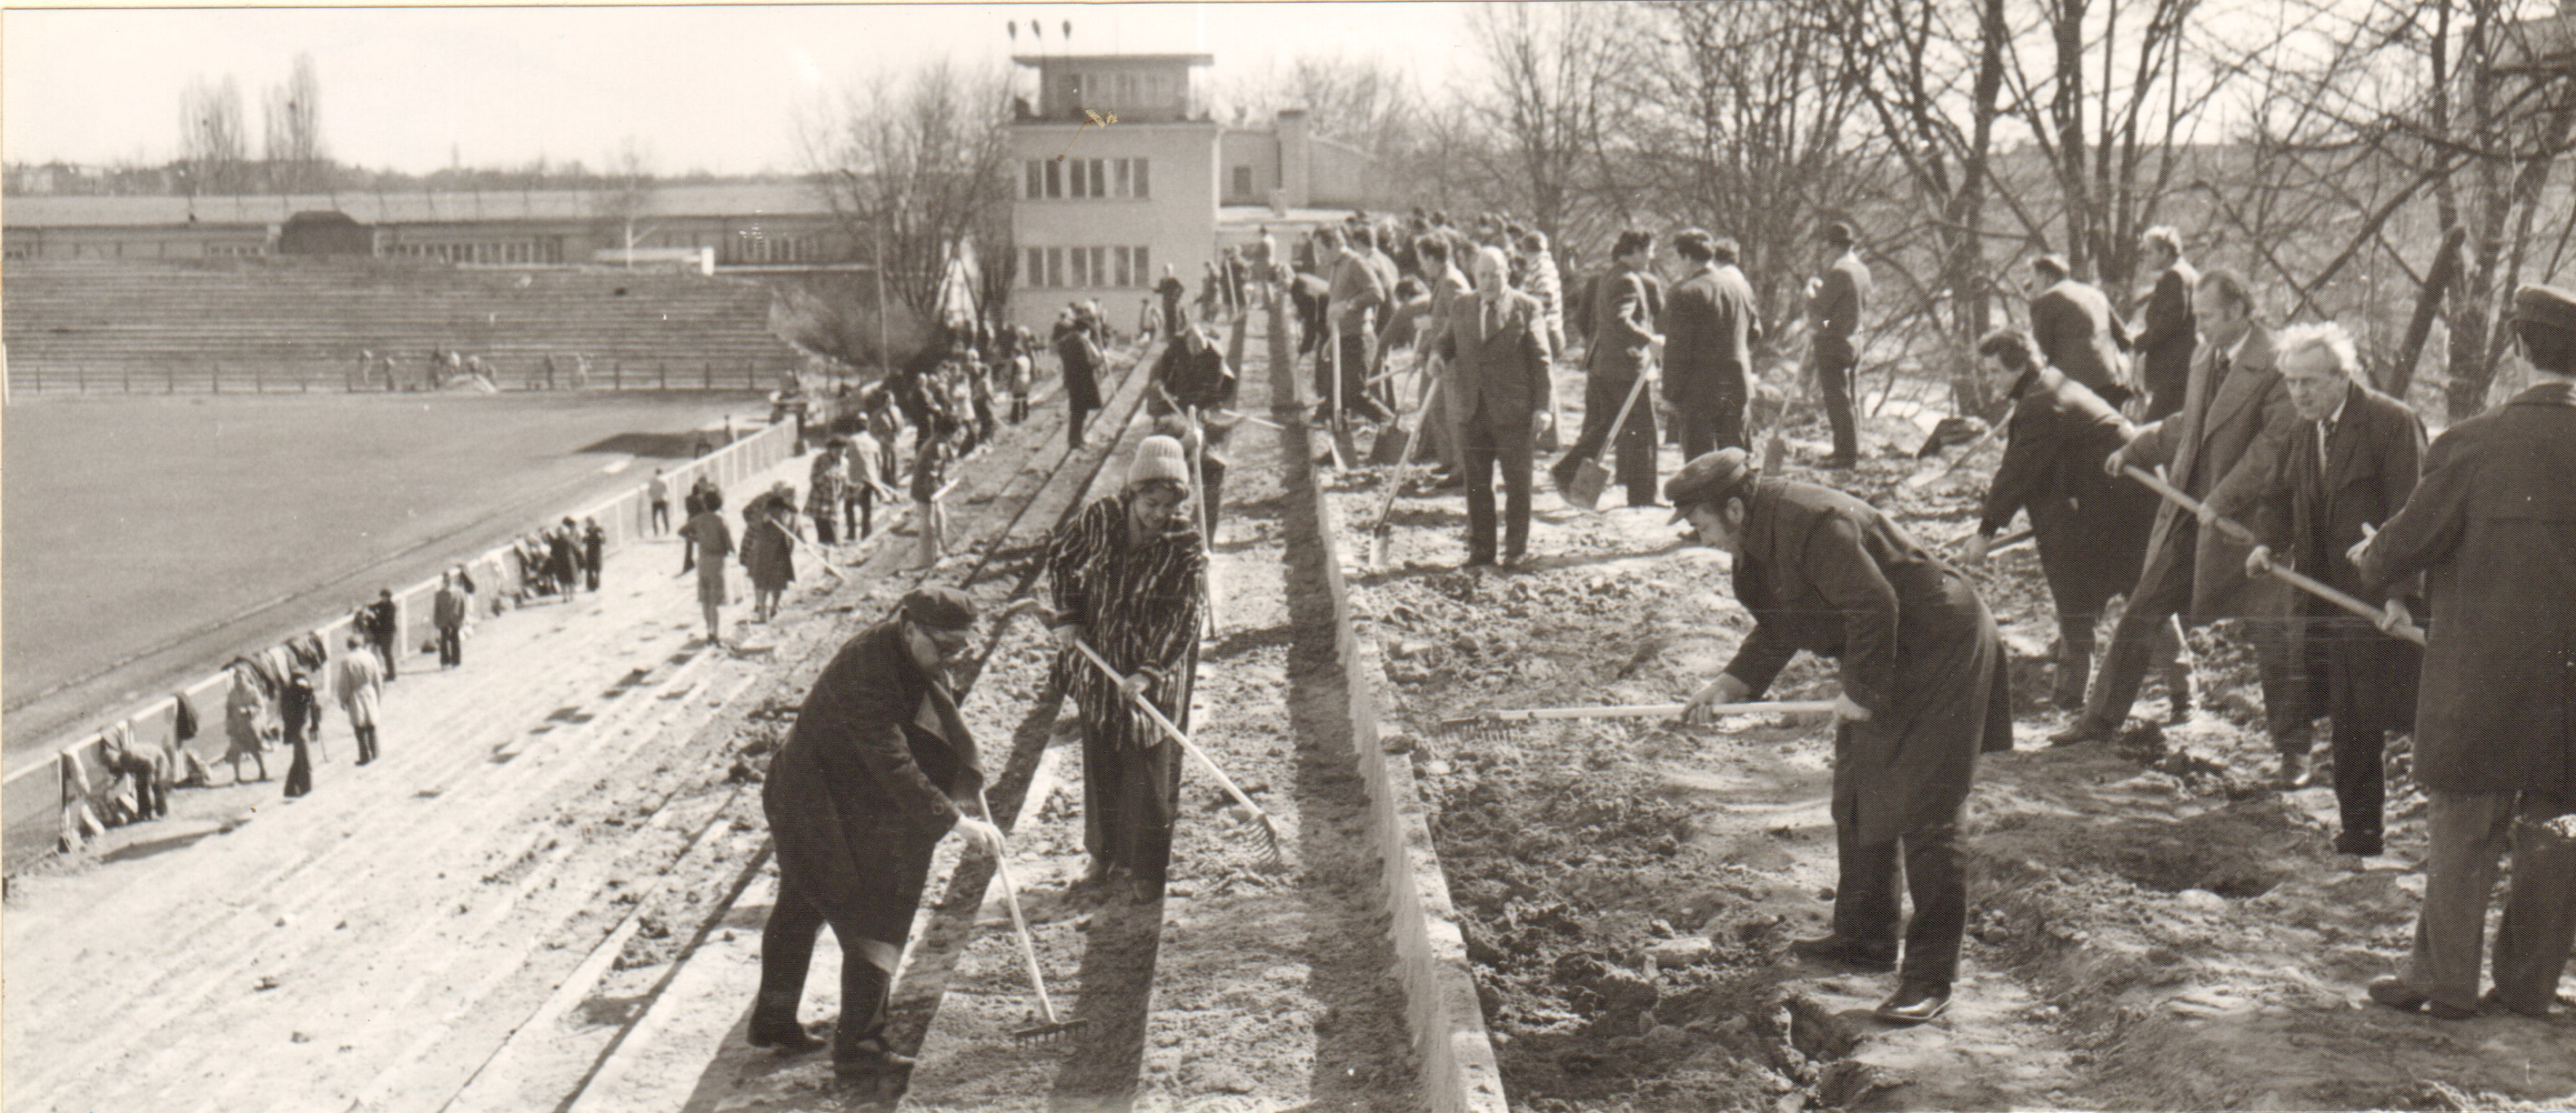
{"x": 286, "y": 323}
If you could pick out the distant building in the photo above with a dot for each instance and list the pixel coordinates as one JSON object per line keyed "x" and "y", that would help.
{"x": 1104, "y": 208}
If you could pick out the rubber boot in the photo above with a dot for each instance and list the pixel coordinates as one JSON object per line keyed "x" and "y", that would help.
{"x": 2531, "y": 948}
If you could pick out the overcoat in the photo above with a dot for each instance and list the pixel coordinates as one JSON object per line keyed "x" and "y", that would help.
{"x": 2492, "y": 525}
{"x": 874, "y": 772}
{"x": 1710, "y": 327}
{"x": 1625, "y": 306}
{"x": 2365, "y": 473}
{"x": 1827, "y": 573}
{"x": 2225, "y": 449}
{"x": 1080, "y": 359}
{"x": 1842, "y": 293}
{"x": 2091, "y": 528}
{"x": 2078, "y": 334}
{"x": 768, "y": 553}
{"x": 2166, "y": 337}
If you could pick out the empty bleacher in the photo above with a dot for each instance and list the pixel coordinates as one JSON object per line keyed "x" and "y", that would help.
{"x": 105, "y": 326}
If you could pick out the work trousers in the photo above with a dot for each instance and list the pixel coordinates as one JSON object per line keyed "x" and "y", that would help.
{"x": 1489, "y": 439}
{"x": 1711, "y": 423}
{"x": 366, "y": 742}
{"x": 1935, "y": 875}
{"x": 2469, "y": 832}
{"x": 1440, "y": 421}
{"x": 451, "y": 646}
{"x": 299, "y": 773}
{"x": 2135, "y": 642}
{"x": 787, "y": 951}
{"x": 1075, "y": 413}
{"x": 2360, "y": 738}
{"x": 1834, "y": 375}
{"x": 385, "y": 651}
{"x": 860, "y": 507}
{"x": 661, "y": 516}
{"x": 1357, "y": 399}
{"x": 1602, "y": 393}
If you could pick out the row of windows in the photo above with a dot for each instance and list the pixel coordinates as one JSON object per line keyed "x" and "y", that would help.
{"x": 1123, "y": 90}
{"x": 484, "y": 251}
{"x": 1124, "y": 178}
{"x": 1081, "y": 267}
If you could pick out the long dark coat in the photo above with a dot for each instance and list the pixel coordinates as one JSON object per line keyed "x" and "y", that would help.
{"x": 1710, "y": 327}
{"x": 876, "y": 770}
{"x": 1080, "y": 357}
{"x": 2166, "y": 336}
{"x": 1827, "y": 573}
{"x": 2492, "y": 526}
{"x": 2092, "y": 529}
{"x": 2077, "y": 333}
{"x": 2225, "y": 449}
{"x": 2368, "y": 470}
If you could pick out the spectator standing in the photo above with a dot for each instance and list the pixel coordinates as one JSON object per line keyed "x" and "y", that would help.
{"x": 706, "y": 531}
{"x": 1710, "y": 328}
{"x": 447, "y": 612}
{"x": 594, "y": 552}
{"x": 360, "y": 683}
{"x": 860, "y": 483}
{"x": 2168, "y": 331}
{"x": 384, "y": 628}
{"x": 1627, "y": 303}
{"x": 694, "y": 504}
{"x": 1497, "y": 386}
{"x": 245, "y": 724}
{"x": 297, "y": 705}
{"x": 1835, "y": 301}
{"x": 1079, "y": 354}
{"x": 659, "y": 491}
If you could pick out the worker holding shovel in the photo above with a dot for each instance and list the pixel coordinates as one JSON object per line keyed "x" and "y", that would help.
{"x": 877, "y": 769}
{"x": 1125, "y": 578}
{"x": 1924, "y": 692}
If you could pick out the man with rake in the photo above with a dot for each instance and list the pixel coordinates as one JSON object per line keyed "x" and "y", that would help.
{"x": 1125, "y": 580}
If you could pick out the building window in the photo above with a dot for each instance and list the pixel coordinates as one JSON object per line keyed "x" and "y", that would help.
{"x": 1144, "y": 181}
{"x": 1243, "y": 181}
{"x": 1037, "y": 179}
{"x": 1078, "y": 178}
{"x": 1054, "y": 178}
{"x": 1055, "y": 266}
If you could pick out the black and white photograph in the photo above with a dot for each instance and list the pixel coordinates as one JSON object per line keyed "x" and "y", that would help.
{"x": 1288, "y": 557}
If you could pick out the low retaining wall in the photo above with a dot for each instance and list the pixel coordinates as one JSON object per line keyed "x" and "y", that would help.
{"x": 32, "y": 795}
{"x": 1447, "y": 1024}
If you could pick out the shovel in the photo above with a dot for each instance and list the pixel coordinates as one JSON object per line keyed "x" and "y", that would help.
{"x": 1049, "y": 1029}
{"x": 1267, "y": 834}
{"x": 1344, "y": 451}
{"x": 1592, "y": 476}
{"x": 1930, "y": 476}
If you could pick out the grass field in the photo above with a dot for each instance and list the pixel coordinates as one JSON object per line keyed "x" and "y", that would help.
{"x": 131, "y": 524}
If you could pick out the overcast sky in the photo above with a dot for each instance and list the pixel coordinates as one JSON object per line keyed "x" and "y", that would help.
{"x": 710, "y": 88}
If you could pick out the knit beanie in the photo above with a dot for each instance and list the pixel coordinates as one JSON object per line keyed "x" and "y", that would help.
{"x": 1158, "y": 457}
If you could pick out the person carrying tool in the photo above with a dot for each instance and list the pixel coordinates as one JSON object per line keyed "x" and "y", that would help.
{"x": 1924, "y": 692}
{"x": 2091, "y": 528}
{"x": 2349, "y": 469}
{"x": 2492, "y": 529}
{"x": 1626, "y": 304}
{"x": 878, "y": 768}
{"x": 1125, "y": 579}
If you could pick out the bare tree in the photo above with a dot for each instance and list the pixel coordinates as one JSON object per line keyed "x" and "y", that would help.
{"x": 212, "y": 142}
{"x": 293, "y": 119}
{"x": 914, "y": 168}
{"x": 1553, "y": 73}
{"x": 625, "y": 195}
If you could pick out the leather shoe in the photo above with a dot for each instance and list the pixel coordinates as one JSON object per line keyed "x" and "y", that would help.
{"x": 1914, "y": 1003}
{"x": 2083, "y": 730}
{"x": 794, "y": 1040}
{"x": 1479, "y": 560}
{"x": 1843, "y": 952}
{"x": 2294, "y": 771}
{"x": 868, "y": 1059}
{"x": 2536, "y": 1011}
{"x": 2396, "y": 994}
{"x": 2360, "y": 844}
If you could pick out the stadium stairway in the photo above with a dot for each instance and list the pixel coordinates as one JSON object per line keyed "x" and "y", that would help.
{"x": 104, "y": 326}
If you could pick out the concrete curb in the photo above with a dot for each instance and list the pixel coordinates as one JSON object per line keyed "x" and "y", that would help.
{"x": 1459, "y": 1074}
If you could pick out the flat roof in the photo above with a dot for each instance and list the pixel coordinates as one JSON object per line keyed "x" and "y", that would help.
{"x": 1050, "y": 59}
{"x": 399, "y": 206}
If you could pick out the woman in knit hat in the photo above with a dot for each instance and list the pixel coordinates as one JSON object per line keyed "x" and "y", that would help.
{"x": 1125, "y": 576}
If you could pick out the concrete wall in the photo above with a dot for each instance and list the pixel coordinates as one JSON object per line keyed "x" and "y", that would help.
{"x": 1256, "y": 149}
{"x": 1339, "y": 174}
{"x": 1176, "y": 223}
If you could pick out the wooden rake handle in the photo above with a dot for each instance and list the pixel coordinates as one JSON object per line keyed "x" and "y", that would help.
{"x": 1019, "y": 922}
{"x": 2378, "y": 617}
{"x": 1175, "y": 733}
{"x": 1657, "y": 710}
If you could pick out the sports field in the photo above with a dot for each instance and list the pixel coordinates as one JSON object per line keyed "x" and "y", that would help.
{"x": 174, "y": 531}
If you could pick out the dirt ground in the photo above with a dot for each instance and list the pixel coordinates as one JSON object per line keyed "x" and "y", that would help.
{"x": 2151, "y": 926}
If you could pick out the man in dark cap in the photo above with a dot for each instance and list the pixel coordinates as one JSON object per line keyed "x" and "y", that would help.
{"x": 1923, "y": 693}
{"x": 878, "y": 767}
{"x": 2492, "y": 526}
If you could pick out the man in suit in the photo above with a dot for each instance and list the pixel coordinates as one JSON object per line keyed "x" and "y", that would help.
{"x": 1924, "y": 693}
{"x": 1497, "y": 383}
{"x": 2166, "y": 334}
{"x": 2349, "y": 469}
{"x": 2492, "y": 528}
{"x": 1835, "y": 301}
{"x": 1710, "y": 328}
{"x": 1626, "y": 303}
{"x": 2091, "y": 528}
{"x": 2076, "y": 331}
{"x": 1440, "y": 419}
{"x": 2223, "y": 448}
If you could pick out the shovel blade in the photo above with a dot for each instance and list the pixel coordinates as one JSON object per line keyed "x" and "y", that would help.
{"x": 1392, "y": 446}
{"x": 1591, "y": 478}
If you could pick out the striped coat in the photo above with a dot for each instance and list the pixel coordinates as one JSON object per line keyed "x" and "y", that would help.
{"x": 1138, "y": 605}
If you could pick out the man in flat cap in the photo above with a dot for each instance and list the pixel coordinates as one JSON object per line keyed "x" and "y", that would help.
{"x": 878, "y": 767}
{"x": 1125, "y": 577}
{"x": 2492, "y": 526}
{"x": 1923, "y": 693}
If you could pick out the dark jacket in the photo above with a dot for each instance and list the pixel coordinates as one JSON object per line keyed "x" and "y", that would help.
{"x": 1504, "y": 372}
{"x": 2165, "y": 338}
{"x": 1625, "y": 305}
{"x": 874, "y": 772}
{"x": 2091, "y": 528}
{"x": 1193, "y": 372}
{"x": 1842, "y": 295}
{"x": 1827, "y": 573}
{"x": 2492, "y": 526}
{"x": 1710, "y": 328}
{"x": 1081, "y": 360}
{"x": 2370, "y": 468}
{"x": 2077, "y": 333}
{"x": 2223, "y": 447}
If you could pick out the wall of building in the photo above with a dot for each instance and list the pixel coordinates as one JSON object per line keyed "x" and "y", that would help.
{"x": 186, "y": 242}
{"x": 1175, "y": 223}
{"x": 749, "y": 239}
{"x": 1255, "y": 151}
{"x": 1340, "y": 175}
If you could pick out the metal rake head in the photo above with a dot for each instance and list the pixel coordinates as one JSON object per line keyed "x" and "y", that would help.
{"x": 1262, "y": 833}
{"x": 1482, "y": 730}
{"x": 1050, "y": 1033}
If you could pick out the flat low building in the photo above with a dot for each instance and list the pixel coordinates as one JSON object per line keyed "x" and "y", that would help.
{"x": 1123, "y": 175}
